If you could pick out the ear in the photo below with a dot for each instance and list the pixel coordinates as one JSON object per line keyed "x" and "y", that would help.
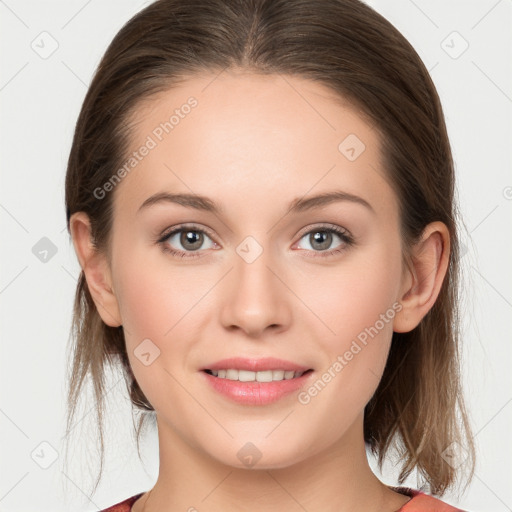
{"x": 96, "y": 269}
{"x": 424, "y": 276}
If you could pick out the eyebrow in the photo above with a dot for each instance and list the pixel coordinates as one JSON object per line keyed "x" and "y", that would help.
{"x": 299, "y": 204}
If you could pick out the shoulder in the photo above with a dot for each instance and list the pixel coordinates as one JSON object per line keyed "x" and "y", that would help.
{"x": 421, "y": 502}
{"x": 123, "y": 506}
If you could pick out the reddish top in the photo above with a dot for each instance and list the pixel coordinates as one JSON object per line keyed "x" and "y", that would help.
{"x": 419, "y": 502}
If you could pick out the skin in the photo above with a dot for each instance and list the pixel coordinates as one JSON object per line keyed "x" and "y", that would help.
{"x": 253, "y": 144}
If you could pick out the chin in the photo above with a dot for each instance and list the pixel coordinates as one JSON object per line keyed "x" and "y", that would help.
{"x": 260, "y": 454}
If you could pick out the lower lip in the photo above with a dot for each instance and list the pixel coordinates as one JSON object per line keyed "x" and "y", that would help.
{"x": 256, "y": 393}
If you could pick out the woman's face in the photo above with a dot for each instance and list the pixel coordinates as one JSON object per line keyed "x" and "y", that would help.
{"x": 262, "y": 276}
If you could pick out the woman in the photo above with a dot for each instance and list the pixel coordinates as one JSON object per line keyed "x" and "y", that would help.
{"x": 261, "y": 197}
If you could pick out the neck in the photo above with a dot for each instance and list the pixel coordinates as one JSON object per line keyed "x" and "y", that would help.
{"x": 337, "y": 478}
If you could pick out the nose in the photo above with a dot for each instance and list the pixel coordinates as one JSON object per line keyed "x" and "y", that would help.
{"x": 256, "y": 297}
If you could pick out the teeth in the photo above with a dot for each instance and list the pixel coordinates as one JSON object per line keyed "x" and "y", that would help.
{"x": 263, "y": 376}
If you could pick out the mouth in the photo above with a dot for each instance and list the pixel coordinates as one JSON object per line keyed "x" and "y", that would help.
{"x": 259, "y": 382}
{"x": 256, "y": 376}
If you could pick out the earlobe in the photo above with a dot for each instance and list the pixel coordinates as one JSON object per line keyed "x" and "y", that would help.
{"x": 423, "y": 280}
{"x": 96, "y": 269}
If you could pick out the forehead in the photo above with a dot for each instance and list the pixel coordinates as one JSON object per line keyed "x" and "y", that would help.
{"x": 246, "y": 137}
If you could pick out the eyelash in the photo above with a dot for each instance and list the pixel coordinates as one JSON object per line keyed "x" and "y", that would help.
{"x": 346, "y": 238}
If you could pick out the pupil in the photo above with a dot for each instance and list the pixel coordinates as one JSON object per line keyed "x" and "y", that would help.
{"x": 191, "y": 237}
{"x": 322, "y": 235}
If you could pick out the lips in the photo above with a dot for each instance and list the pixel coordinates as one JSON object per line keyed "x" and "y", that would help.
{"x": 248, "y": 376}
{"x": 255, "y": 392}
{"x": 255, "y": 387}
{"x": 256, "y": 365}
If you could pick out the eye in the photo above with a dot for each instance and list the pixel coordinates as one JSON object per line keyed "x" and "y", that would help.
{"x": 187, "y": 239}
{"x": 321, "y": 238}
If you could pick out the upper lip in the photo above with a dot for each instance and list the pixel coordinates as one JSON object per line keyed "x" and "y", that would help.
{"x": 256, "y": 365}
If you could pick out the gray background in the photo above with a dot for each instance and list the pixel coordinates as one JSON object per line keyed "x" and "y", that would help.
{"x": 49, "y": 52}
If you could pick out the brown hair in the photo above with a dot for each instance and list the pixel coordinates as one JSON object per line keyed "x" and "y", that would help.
{"x": 345, "y": 45}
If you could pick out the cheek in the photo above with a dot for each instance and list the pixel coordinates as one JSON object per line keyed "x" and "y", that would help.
{"x": 354, "y": 295}
{"x": 154, "y": 295}
{"x": 160, "y": 302}
{"x": 356, "y": 305}
{"x": 154, "y": 308}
